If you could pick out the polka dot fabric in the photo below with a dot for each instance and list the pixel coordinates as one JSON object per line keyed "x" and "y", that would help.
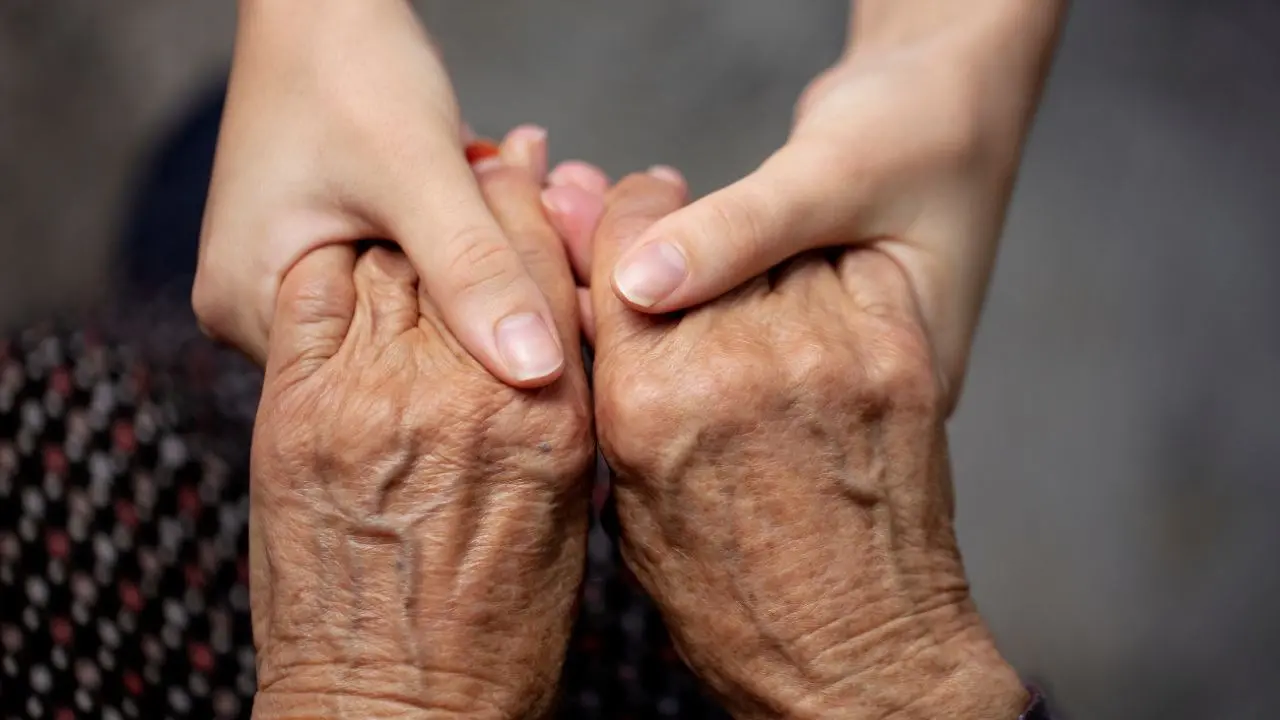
{"x": 122, "y": 580}
{"x": 123, "y": 510}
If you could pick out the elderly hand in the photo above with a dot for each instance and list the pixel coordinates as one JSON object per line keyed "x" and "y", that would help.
{"x": 908, "y": 145}
{"x": 341, "y": 124}
{"x": 418, "y": 527}
{"x": 783, "y": 486}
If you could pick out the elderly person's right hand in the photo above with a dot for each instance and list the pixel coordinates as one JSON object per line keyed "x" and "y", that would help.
{"x": 784, "y": 489}
{"x": 418, "y": 527}
{"x": 341, "y": 124}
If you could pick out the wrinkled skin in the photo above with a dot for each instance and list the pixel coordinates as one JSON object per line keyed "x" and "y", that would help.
{"x": 418, "y": 527}
{"x": 783, "y": 485}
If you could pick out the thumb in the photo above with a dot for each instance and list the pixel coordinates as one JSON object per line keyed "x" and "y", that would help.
{"x": 799, "y": 199}
{"x": 630, "y": 209}
{"x": 314, "y": 308}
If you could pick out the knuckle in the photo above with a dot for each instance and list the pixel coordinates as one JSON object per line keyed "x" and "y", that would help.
{"x": 547, "y": 441}
{"x": 716, "y": 391}
{"x": 631, "y": 186}
{"x": 505, "y": 181}
{"x": 898, "y": 372}
{"x": 811, "y": 364}
{"x": 634, "y": 412}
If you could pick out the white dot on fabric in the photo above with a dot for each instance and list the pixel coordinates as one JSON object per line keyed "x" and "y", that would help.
{"x": 37, "y": 591}
{"x": 179, "y": 700}
{"x": 41, "y": 679}
{"x": 108, "y": 632}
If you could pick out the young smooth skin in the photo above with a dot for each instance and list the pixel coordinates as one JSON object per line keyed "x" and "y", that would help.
{"x": 341, "y": 125}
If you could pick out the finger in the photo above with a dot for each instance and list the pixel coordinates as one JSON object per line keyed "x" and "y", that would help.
{"x": 582, "y": 175}
{"x": 575, "y": 213}
{"x": 314, "y": 310}
{"x": 794, "y": 202}
{"x": 631, "y": 209}
{"x": 526, "y": 147}
{"x": 587, "y": 315}
{"x": 386, "y": 297}
{"x": 512, "y": 190}
{"x": 475, "y": 277}
{"x": 877, "y": 285}
{"x": 574, "y": 200}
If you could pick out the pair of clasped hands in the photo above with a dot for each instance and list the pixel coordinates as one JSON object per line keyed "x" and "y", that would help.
{"x": 774, "y": 366}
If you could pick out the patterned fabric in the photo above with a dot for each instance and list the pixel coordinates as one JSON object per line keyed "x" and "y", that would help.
{"x": 123, "y": 505}
{"x": 122, "y": 578}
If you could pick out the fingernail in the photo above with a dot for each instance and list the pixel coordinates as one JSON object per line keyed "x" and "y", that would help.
{"x": 526, "y": 345}
{"x": 478, "y": 150}
{"x": 574, "y": 173}
{"x": 526, "y": 147}
{"x": 651, "y": 274}
{"x": 554, "y": 202}
{"x": 485, "y": 165}
{"x": 666, "y": 173}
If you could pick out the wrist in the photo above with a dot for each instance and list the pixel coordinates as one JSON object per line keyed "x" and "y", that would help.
{"x": 302, "y": 706}
{"x": 969, "y": 680}
{"x": 341, "y": 692}
{"x": 890, "y": 23}
{"x": 984, "y": 60}
{"x": 943, "y": 674}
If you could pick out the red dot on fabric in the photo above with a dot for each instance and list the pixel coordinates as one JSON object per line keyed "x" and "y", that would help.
{"x": 130, "y": 596}
{"x": 60, "y": 382}
{"x": 201, "y": 657}
{"x": 54, "y": 460}
{"x": 133, "y": 683}
{"x": 60, "y": 629}
{"x": 126, "y": 513}
{"x": 57, "y": 543}
{"x": 189, "y": 501}
{"x": 64, "y": 714}
{"x": 122, "y": 436}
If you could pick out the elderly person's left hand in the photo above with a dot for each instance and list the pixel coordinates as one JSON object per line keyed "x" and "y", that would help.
{"x": 418, "y": 527}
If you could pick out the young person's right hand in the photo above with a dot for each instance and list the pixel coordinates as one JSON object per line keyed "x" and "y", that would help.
{"x": 341, "y": 124}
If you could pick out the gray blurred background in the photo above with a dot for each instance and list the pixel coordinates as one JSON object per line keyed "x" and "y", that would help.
{"x": 1118, "y": 445}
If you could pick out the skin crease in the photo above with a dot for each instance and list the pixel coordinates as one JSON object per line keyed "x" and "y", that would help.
{"x": 784, "y": 490}
{"x": 417, "y": 527}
